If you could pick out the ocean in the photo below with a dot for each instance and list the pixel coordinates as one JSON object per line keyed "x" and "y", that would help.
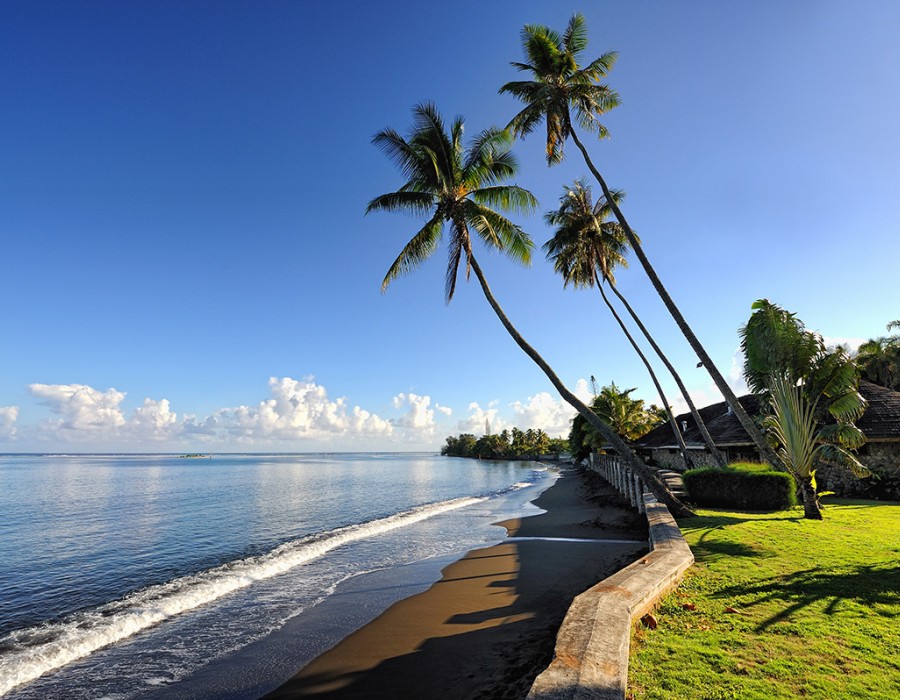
{"x": 149, "y": 576}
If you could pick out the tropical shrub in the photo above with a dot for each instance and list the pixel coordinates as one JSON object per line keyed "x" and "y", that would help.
{"x": 743, "y": 489}
{"x": 808, "y": 396}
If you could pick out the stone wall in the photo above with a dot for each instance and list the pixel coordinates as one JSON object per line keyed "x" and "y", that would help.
{"x": 883, "y": 458}
{"x": 672, "y": 459}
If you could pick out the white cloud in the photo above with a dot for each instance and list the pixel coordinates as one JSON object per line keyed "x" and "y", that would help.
{"x": 481, "y": 418}
{"x": 8, "y": 416}
{"x": 851, "y": 344}
{"x": 542, "y": 410}
{"x": 296, "y": 409}
{"x": 82, "y": 407}
{"x": 552, "y": 415}
{"x": 154, "y": 421}
{"x": 299, "y": 409}
{"x": 420, "y": 416}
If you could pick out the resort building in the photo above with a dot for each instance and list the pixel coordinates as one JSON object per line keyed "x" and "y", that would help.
{"x": 881, "y": 453}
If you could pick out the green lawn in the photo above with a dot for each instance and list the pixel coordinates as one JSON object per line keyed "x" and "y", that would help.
{"x": 818, "y": 609}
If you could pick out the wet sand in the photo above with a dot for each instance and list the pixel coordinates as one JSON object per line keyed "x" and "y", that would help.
{"x": 488, "y": 627}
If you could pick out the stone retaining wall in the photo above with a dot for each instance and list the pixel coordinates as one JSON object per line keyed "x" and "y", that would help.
{"x": 591, "y": 654}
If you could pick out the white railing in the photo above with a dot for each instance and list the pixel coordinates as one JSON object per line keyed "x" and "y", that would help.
{"x": 622, "y": 478}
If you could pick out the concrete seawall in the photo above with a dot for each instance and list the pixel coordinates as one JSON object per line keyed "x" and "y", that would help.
{"x": 591, "y": 654}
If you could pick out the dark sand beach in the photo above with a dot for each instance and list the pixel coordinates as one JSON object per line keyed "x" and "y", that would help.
{"x": 488, "y": 627}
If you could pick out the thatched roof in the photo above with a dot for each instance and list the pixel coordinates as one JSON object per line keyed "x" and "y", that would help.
{"x": 880, "y": 422}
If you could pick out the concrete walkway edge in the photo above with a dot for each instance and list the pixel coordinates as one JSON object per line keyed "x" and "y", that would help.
{"x": 591, "y": 655}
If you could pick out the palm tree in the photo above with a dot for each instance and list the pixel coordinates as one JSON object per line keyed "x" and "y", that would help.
{"x": 628, "y": 418}
{"x": 586, "y": 249}
{"x": 457, "y": 188}
{"x": 561, "y": 88}
{"x": 879, "y": 359}
{"x": 810, "y": 395}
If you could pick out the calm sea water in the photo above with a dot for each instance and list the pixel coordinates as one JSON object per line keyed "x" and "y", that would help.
{"x": 122, "y": 575}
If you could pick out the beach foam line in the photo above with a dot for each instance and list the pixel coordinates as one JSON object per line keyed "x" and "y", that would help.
{"x": 29, "y": 653}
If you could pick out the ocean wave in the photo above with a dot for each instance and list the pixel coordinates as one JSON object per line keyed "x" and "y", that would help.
{"x": 29, "y": 653}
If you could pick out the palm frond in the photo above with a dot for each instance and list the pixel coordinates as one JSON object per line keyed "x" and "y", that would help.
{"x": 849, "y": 406}
{"x": 397, "y": 150}
{"x": 575, "y": 37}
{"x": 598, "y": 68}
{"x": 414, "y": 202}
{"x": 489, "y": 158}
{"x": 843, "y": 434}
{"x": 499, "y": 232}
{"x": 842, "y": 457}
{"x": 453, "y": 258}
{"x": 416, "y": 251}
{"x": 508, "y": 197}
{"x": 793, "y": 425}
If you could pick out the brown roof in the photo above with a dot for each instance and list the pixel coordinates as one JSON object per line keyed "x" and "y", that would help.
{"x": 881, "y": 421}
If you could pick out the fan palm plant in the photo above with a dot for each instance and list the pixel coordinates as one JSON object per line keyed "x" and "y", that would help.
{"x": 457, "y": 188}
{"x": 561, "y": 93}
{"x": 585, "y": 249}
{"x": 810, "y": 394}
{"x": 803, "y": 443}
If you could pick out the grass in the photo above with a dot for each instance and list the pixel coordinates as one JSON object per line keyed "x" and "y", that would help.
{"x": 818, "y": 609}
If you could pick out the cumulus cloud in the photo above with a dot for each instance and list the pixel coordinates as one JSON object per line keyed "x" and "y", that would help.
{"x": 295, "y": 409}
{"x": 154, "y": 421}
{"x": 481, "y": 419}
{"x": 552, "y": 415}
{"x": 8, "y": 417}
{"x": 419, "y": 416}
{"x": 82, "y": 407}
{"x": 299, "y": 409}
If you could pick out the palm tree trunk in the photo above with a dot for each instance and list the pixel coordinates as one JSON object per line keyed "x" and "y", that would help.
{"x": 745, "y": 420}
{"x": 679, "y": 438}
{"x": 811, "y": 508}
{"x": 698, "y": 421}
{"x": 656, "y": 485}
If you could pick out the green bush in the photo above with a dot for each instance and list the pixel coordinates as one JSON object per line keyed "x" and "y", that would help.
{"x": 741, "y": 488}
{"x": 750, "y": 467}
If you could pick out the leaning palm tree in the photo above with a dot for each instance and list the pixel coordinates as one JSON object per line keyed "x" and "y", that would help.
{"x": 562, "y": 89}
{"x": 457, "y": 189}
{"x": 586, "y": 249}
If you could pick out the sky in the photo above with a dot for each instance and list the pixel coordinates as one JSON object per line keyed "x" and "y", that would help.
{"x": 187, "y": 264}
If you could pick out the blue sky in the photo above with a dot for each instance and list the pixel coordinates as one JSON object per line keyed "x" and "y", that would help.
{"x": 187, "y": 264}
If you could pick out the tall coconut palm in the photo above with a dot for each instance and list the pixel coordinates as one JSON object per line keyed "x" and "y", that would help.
{"x": 457, "y": 189}
{"x": 586, "y": 249}
{"x": 561, "y": 89}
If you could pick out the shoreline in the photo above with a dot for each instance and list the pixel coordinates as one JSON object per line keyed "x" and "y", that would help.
{"x": 488, "y": 626}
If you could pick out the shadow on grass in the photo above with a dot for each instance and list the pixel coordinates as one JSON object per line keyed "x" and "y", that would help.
{"x": 866, "y": 585}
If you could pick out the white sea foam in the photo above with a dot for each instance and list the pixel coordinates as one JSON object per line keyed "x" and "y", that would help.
{"x": 29, "y": 653}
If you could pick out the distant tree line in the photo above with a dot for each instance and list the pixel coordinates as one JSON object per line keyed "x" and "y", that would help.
{"x": 508, "y": 444}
